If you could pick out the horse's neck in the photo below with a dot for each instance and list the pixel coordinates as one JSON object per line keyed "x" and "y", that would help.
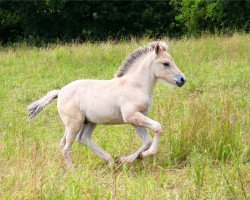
{"x": 143, "y": 73}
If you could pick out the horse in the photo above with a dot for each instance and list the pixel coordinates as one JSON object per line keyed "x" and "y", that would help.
{"x": 124, "y": 99}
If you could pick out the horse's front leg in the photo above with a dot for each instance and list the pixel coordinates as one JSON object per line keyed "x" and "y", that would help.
{"x": 139, "y": 119}
{"x": 146, "y": 142}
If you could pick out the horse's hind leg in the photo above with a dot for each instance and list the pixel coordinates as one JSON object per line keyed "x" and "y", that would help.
{"x": 72, "y": 128}
{"x": 146, "y": 142}
{"x": 85, "y": 138}
{"x": 63, "y": 141}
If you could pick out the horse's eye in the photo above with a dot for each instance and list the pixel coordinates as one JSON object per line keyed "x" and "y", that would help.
{"x": 166, "y": 64}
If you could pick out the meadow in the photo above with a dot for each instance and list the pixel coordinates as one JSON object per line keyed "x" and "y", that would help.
{"x": 204, "y": 152}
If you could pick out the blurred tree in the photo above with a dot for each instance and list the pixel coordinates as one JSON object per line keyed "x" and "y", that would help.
{"x": 10, "y": 25}
{"x": 64, "y": 20}
{"x": 214, "y": 15}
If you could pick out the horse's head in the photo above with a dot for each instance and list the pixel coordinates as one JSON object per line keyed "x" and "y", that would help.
{"x": 165, "y": 67}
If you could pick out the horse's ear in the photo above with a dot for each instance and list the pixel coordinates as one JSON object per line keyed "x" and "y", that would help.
{"x": 165, "y": 46}
{"x": 157, "y": 48}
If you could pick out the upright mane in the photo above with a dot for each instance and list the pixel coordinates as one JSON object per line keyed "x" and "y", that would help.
{"x": 124, "y": 68}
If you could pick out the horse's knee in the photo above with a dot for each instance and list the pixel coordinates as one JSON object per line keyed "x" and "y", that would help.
{"x": 84, "y": 141}
{"x": 81, "y": 141}
{"x": 157, "y": 128}
{"x": 66, "y": 151}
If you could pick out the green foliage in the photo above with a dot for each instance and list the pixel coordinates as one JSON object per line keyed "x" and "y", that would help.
{"x": 96, "y": 20}
{"x": 215, "y": 15}
{"x": 52, "y": 20}
{"x": 10, "y": 26}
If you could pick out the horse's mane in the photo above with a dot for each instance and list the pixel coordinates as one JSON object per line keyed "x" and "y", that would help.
{"x": 124, "y": 68}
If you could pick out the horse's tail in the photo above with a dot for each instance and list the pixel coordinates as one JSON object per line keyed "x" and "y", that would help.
{"x": 37, "y": 106}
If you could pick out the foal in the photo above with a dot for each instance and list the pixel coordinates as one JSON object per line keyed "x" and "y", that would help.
{"x": 125, "y": 99}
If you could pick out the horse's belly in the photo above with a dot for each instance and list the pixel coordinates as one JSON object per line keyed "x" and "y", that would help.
{"x": 104, "y": 116}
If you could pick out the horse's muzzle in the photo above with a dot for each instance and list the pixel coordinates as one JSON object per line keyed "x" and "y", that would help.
{"x": 180, "y": 80}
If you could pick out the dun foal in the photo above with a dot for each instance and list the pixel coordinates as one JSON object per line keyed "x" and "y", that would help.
{"x": 125, "y": 99}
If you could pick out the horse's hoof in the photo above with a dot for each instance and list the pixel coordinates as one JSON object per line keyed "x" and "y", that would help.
{"x": 117, "y": 160}
{"x": 110, "y": 163}
{"x": 139, "y": 157}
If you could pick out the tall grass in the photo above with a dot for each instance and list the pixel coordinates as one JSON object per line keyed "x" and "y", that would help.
{"x": 204, "y": 152}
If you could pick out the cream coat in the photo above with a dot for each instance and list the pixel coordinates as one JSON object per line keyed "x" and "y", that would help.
{"x": 124, "y": 99}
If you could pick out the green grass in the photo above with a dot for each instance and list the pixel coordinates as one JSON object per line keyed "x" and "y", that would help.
{"x": 204, "y": 152}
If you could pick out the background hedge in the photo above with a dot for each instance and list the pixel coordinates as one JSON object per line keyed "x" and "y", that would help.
{"x": 64, "y": 20}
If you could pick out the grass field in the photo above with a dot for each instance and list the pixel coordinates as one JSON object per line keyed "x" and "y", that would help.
{"x": 204, "y": 152}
